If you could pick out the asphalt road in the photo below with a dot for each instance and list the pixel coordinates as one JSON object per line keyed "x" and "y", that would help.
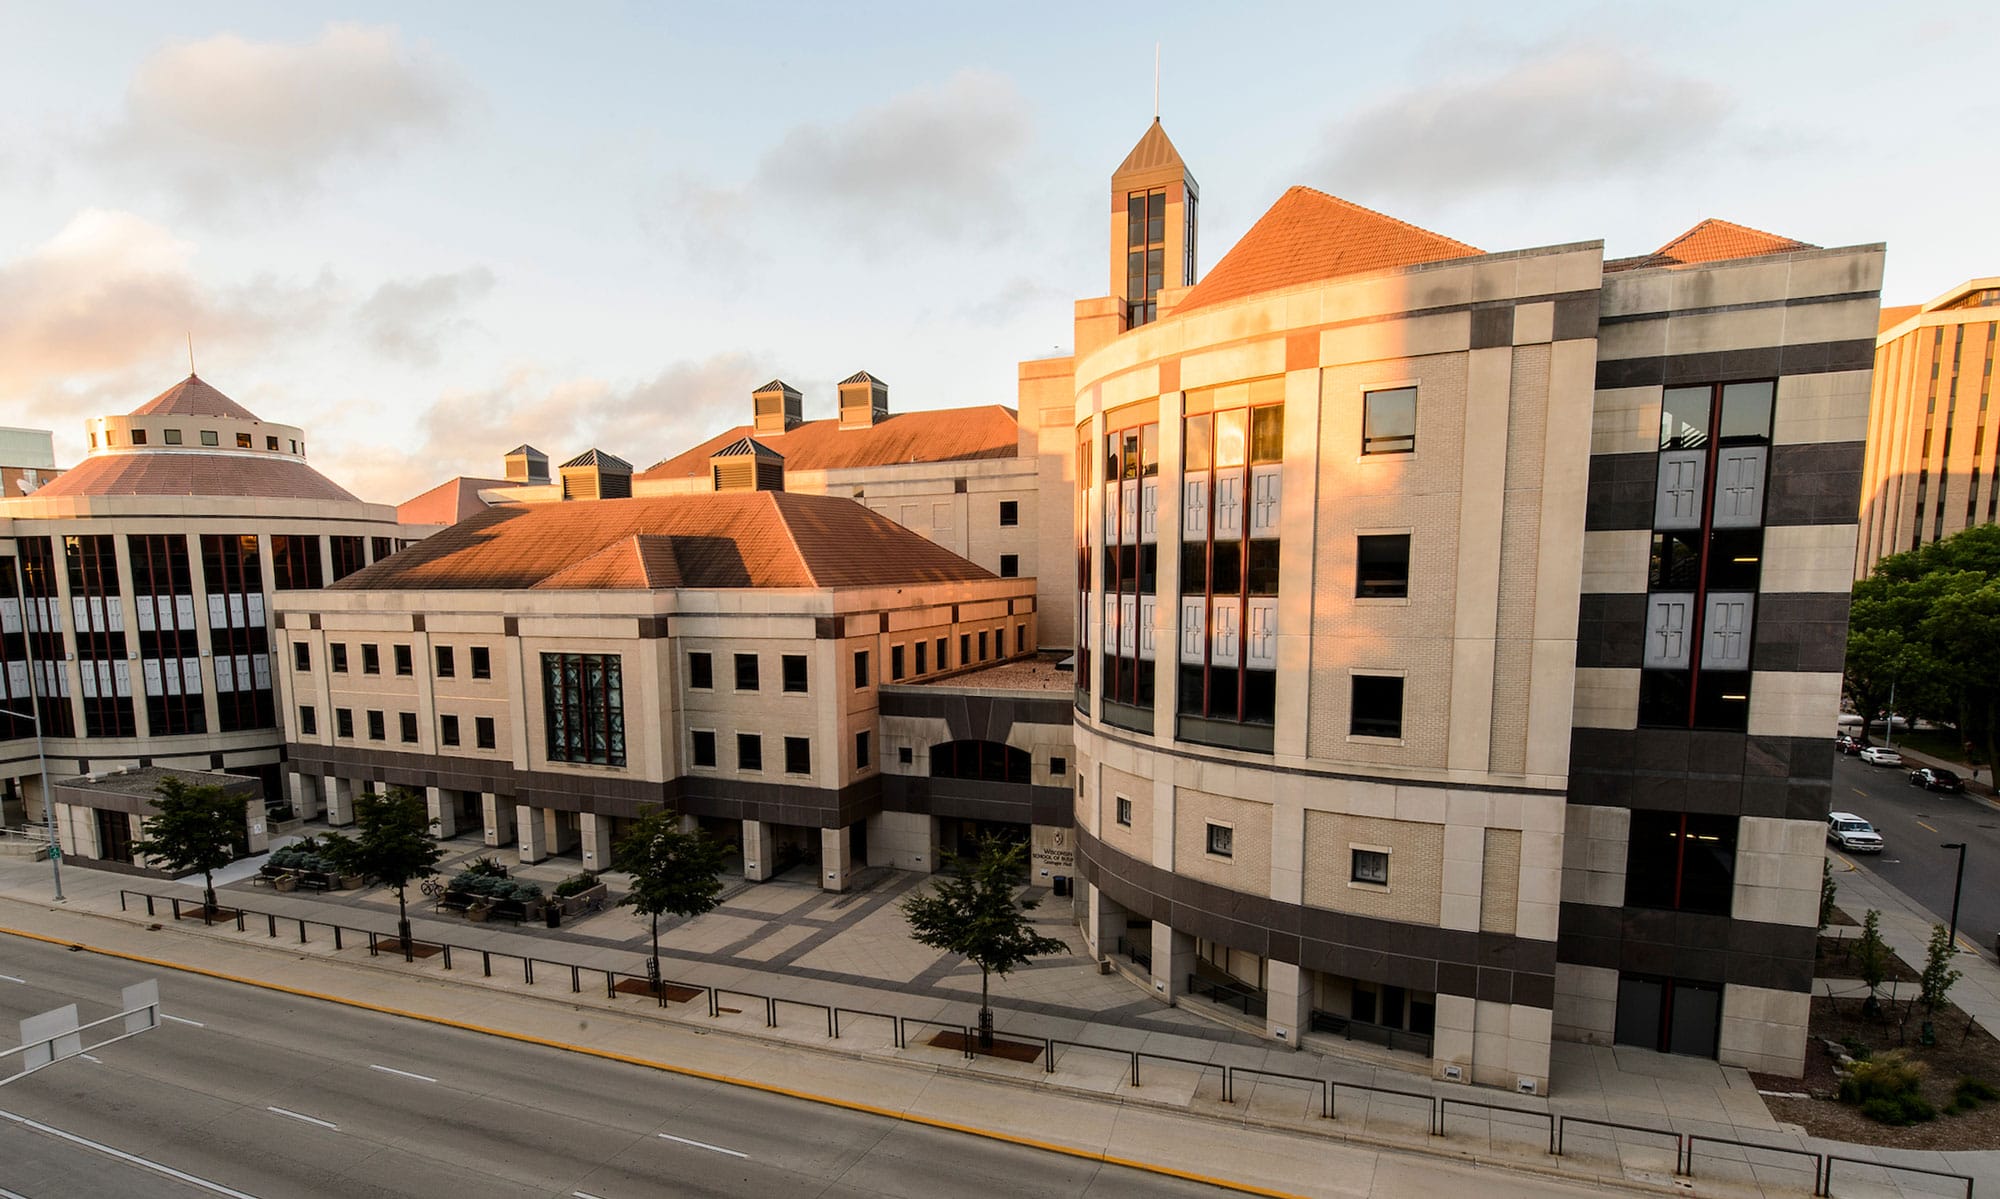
{"x": 270, "y": 1096}
{"x": 1913, "y": 822}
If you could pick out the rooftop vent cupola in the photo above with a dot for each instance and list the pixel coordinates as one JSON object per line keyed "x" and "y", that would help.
{"x": 596, "y": 475}
{"x": 779, "y": 408}
{"x": 864, "y": 400}
{"x": 526, "y": 464}
{"x": 747, "y": 465}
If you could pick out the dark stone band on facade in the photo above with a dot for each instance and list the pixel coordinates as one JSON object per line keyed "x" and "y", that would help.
{"x": 1610, "y": 631}
{"x": 973, "y": 799}
{"x": 1724, "y": 366}
{"x": 1688, "y": 946}
{"x": 1421, "y": 957}
{"x": 1795, "y": 631}
{"x": 1695, "y": 770}
{"x": 1817, "y": 483}
{"x": 973, "y": 717}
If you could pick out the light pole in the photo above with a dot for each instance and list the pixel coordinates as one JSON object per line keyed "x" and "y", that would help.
{"x": 1956, "y": 889}
{"x": 1889, "y": 721}
{"x": 35, "y": 711}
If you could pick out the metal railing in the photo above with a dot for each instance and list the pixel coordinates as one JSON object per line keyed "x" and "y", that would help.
{"x": 1375, "y": 1034}
{"x": 55, "y": 1036}
{"x": 1249, "y": 1000}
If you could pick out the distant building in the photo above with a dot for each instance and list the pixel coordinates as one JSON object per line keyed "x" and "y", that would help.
{"x": 27, "y": 460}
{"x": 1933, "y": 466}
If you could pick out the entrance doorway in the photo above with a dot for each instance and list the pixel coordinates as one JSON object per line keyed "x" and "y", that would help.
{"x": 114, "y": 836}
{"x": 1669, "y": 1015}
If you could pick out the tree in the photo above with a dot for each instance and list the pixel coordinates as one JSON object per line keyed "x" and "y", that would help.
{"x": 1937, "y": 978}
{"x": 392, "y": 846}
{"x": 1828, "y": 889}
{"x": 193, "y": 826}
{"x": 674, "y": 873}
{"x": 1871, "y": 958}
{"x": 972, "y": 912}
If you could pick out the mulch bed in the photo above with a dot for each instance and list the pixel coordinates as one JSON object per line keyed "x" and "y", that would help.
{"x": 639, "y": 986}
{"x": 1836, "y": 960}
{"x": 1013, "y": 1051}
{"x": 219, "y": 915}
{"x": 395, "y": 945}
{"x": 1843, "y": 919}
{"x": 1958, "y": 1053}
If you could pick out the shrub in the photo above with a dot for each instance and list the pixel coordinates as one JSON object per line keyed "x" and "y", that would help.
{"x": 525, "y": 892}
{"x": 1969, "y": 1094}
{"x": 576, "y": 884}
{"x": 1888, "y": 1089}
{"x": 484, "y": 865}
{"x": 1856, "y": 1049}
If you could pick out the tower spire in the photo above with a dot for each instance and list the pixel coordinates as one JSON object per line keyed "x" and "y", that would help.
{"x": 190, "y": 338}
{"x": 1156, "y": 81}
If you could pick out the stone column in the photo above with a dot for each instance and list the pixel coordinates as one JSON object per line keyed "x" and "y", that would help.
{"x": 444, "y": 811}
{"x": 339, "y": 801}
{"x": 562, "y": 836}
{"x": 1173, "y": 961}
{"x": 760, "y": 851}
{"x": 596, "y": 837}
{"x": 1104, "y": 924}
{"x": 258, "y": 824}
{"x": 836, "y": 858}
{"x": 497, "y": 814}
{"x": 1290, "y": 993}
{"x": 305, "y": 794}
{"x": 534, "y": 834}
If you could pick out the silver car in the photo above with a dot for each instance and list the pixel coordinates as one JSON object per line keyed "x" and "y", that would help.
{"x": 1852, "y": 833}
{"x": 1881, "y": 755}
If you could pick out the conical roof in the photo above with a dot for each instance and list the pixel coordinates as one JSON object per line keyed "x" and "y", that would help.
{"x": 1154, "y": 151}
{"x": 192, "y": 397}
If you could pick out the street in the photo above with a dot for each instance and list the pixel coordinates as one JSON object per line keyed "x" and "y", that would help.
{"x": 272, "y": 1096}
{"x": 1913, "y": 822}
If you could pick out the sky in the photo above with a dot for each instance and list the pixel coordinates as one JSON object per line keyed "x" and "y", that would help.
{"x": 428, "y": 233}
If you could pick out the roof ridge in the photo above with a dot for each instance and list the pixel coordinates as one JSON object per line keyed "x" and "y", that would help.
{"x": 791, "y": 537}
{"x": 1713, "y": 221}
{"x": 1344, "y": 202}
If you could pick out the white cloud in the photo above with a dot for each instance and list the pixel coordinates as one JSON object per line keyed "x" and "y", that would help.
{"x": 225, "y": 120}
{"x": 1572, "y": 112}
{"x": 409, "y": 319}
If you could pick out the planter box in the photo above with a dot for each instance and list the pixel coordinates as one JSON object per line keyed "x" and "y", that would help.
{"x": 576, "y": 905}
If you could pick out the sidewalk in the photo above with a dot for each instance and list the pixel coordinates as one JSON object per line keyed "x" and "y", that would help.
{"x": 850, "y": 950}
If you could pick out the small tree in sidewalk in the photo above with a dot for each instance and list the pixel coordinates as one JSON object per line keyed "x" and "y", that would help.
{"x": 972, "y": 912}
{"x": 674, "y": 873}
{"x": 193, "y": 826}
{"x": 1871, "y": 958}
{"x": 1937, "y": 978}
{"x": 1828, "y": 890}
{"x": 393, "y": 844}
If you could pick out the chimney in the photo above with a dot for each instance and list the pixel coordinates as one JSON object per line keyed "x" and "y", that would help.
{"x": 747, "y": 465}
{"x": 864, "y": 400}
{"x": 778, "y": 408}
{"x": 526, "y": 464}
{"x": 596, "y": 475}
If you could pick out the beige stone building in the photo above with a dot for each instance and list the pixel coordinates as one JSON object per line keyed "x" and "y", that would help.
{"x": 1933, "y": 466}
{"x": 136, "y": 592}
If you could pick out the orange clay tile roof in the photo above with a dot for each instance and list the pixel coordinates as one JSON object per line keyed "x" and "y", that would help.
{"x": 1308, "y": 236}
{"x": 729, "y": 540}
{"x": 1896, "y": 315}
{"x": 945, "y": 435}
{"x": 1711, "y": 241}
{"x": 192, "y": 397}
{"x": 448, "y": 503}
{"x": 191, "y": 472}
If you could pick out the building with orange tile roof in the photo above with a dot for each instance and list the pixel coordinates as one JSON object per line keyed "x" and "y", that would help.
{"x": 135, "y": 598}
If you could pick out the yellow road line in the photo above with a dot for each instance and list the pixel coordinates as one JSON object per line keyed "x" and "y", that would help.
{"x": 1843, "y": 861}
{"x": 1933, "y": 829}
{"x": 1241, "y": 1188}
{"x": 1857, "y": 790}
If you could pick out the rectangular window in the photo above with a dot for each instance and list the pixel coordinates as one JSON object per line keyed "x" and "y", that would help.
{"x": 482, "y": 663}
{"x": 337, "y": 653}
{"x": 895, "y": 662}
{"x": 210, "y": 437}
{"x": 295, "y": 563}
{"x": 371, "y": 659}
{"x": 405, "y": 661}
{"x": 448, "y": 730}
{"x": 746, "y": 672}
{"x": 1010, "y": 513}
{"x": 301, "y": 656}
{"x": 861, "y": 750}
{"x": 138, "y": 437}
{"x": 447, "y": 666}
{"x": 943, "y": 657}
{"x": 1125, "y": 812}
{"x": 701, "y": 672}
{"x": 343, "y": 722}
{"x": 378, "y": 730}
{"x": 1221, "y": 840}
{"x": 860, "y": 668}
{"x": 1010, "y": 566}
{"x": 704, "y": 748}
{"x": 798, "y": 755}
{"x": 749, "y": 751}
{"x": 173, "y": 437}
{"x": 583, "y": 708}
{"x": 308, "y": 722}
{"x": 1681, "y": 861}
{"x": 1389, "y": 421}
{"x": 794, "y": 670}
{"x": 408, "y": 721}
{"x": 271, "y": 443}
{"x": 923, "y": 666}
{"x": 349, "y": 555}
{"x": 1021, "y": 638}
{"x": 982, "y": 645}
{"x": 1382, "y": 566}
{"x": 904, "y": 756}
{"x": 482, "y": 731}
{"x": 1058, "y": 767}
{"x": 964, "y": 648}
{"x": 242, "y": 441}
{"x": 1377, "y": 709}
{"x": 1370, "y": 866}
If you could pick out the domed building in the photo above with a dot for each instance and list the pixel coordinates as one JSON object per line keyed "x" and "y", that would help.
{"x": 135, "y": 600}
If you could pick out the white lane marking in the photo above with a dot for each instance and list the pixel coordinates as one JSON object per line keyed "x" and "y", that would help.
{"x": 8, "y": 978}
{"x": 573, "y": 1195}
{"x": 212, "y": 1187}
{"x": 182, "y": 1020}
{"x": 86, "y": 1057}
{"x": 7, "y": 1194}
{"x": 703, "y": 1145}
{"x": 308, "y": 1119}
{"x": 403, "y": 1073}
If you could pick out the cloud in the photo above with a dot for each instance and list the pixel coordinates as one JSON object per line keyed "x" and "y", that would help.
{"x": 226, "y": 121}
{"x": 409, "y": 319}
{"x": 465, "y": 432}
{"x": 1572, "y": 112}
{"x": 938, "y": 162}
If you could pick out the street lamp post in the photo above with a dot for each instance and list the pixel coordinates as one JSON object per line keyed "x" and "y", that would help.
{"x": 1956, "y": 889}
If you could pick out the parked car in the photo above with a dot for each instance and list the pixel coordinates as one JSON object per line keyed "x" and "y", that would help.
{"x": 1881, "y": 755}
{"x": 1849, "y": 744}
{"x": 1852, "y": 833}
{"x": 1936, "y": 778}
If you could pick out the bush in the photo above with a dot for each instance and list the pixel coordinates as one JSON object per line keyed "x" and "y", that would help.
{"x": 1888, "y": 1089}
{"x": 576, "y": 884}
{"x": 1969, "y": 1094}
{"x": 484, "y": 865}
{"x": 1855, "y": 1048}
{"x": 296, "y": 857}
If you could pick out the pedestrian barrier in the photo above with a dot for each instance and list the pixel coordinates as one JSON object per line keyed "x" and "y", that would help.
{"x": 1563, "y": 1122}
{"x": 1322, "y": 1085}
{"x": 1696, "y": 1140}
{"x": 1827, "y": 1186}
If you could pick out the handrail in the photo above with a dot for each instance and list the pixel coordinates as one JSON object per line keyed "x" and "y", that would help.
{"x": 1445, "y": 1101}
{"x": 1563, "y": 1122}
{"x": 1323, "y": 1085}
{"x": 1827, "y": 1186}
{"x": 1818, "y": 1161}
